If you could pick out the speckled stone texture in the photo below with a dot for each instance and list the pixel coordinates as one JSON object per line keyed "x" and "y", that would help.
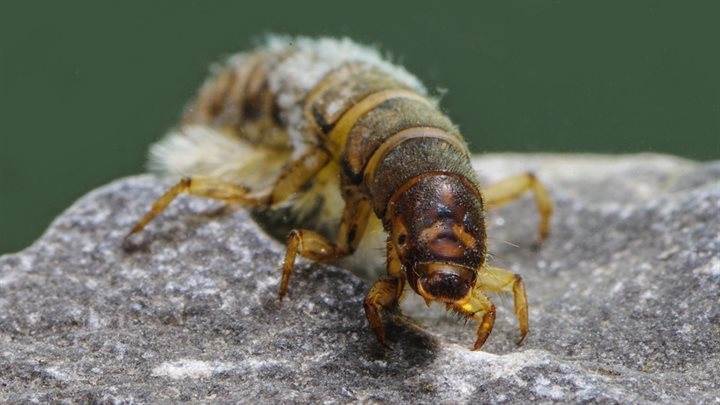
{"x": 624, "y": 302}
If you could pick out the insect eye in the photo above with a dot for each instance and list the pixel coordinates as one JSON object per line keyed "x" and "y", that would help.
{"x": 402, "y": 239}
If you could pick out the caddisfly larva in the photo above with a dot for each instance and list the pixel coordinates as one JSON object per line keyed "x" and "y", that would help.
{"x": 350, "y": 146}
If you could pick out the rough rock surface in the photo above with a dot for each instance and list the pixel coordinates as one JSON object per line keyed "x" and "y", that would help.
{"x": 624, "y": 295}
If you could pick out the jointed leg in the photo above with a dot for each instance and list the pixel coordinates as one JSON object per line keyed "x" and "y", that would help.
{"x": 511, "y": 189}
{"x": 394, "y": 266}
{"x": 309, "y": 244}
{"x": 199, "y": 186}
{"x": 478, "y": 307}
{"x": 384, "y": 294}
{"x": 314, "y": 246}
{"x": 499, "y": 280}
{"x": 291, "y": 180}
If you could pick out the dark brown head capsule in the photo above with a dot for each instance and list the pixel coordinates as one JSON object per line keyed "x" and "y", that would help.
{"x": 438, "y": 229}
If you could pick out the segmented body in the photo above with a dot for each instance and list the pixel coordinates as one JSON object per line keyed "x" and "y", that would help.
{"x": 373, "y": 119}
{"x": 350, "y": 154}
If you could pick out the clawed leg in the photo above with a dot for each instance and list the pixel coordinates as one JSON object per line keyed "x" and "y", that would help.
{"x": 308, "y": 244}
{"x": 383, "y": 295}
{"x": 499, "y": 280}
{"x": 291, "y": 180}
{"x": 198, "y": 186}
{"x": 480, "y": 308}
{"x": 511, "y": 189}
{"x": 314, "y": 246}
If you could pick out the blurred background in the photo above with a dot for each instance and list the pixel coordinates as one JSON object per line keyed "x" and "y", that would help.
{"x": 86, "y": 86}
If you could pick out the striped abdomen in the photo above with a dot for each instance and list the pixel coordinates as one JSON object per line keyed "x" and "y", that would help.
{"x": 238, "y": 99}
{"x": 372, "y": 121}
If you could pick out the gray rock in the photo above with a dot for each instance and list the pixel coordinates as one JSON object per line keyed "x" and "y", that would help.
{"x": 624, "y": 295}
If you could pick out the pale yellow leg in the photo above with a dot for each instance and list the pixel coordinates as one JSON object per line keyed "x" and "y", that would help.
{"x": 478, "y": 307}
{"x": 314, "y": 246}
{"x": 290, "y": 181}
{"x": 202, "y": 187}
{"x": 494, "y": 279}
{"x": 513, "y": 188}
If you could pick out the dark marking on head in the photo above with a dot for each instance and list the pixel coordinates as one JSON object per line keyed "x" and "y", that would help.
{"x": 443, "y": 211}
{"x": 437, "y": 220}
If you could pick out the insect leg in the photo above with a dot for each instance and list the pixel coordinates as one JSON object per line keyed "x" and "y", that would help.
{"x": 394, "y": 266}
{"x": 293, "y": 177}
{"x": 314, "y": 246}
{"x": 499, "y": 280}
{"x": 513, "y": 188}
{"x": 385, "y": 293}
{"x": 478, "y": 307}
{"x": 199, "y": 186}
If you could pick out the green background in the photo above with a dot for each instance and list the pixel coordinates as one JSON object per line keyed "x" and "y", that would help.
{"x": 86, "y": 86}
